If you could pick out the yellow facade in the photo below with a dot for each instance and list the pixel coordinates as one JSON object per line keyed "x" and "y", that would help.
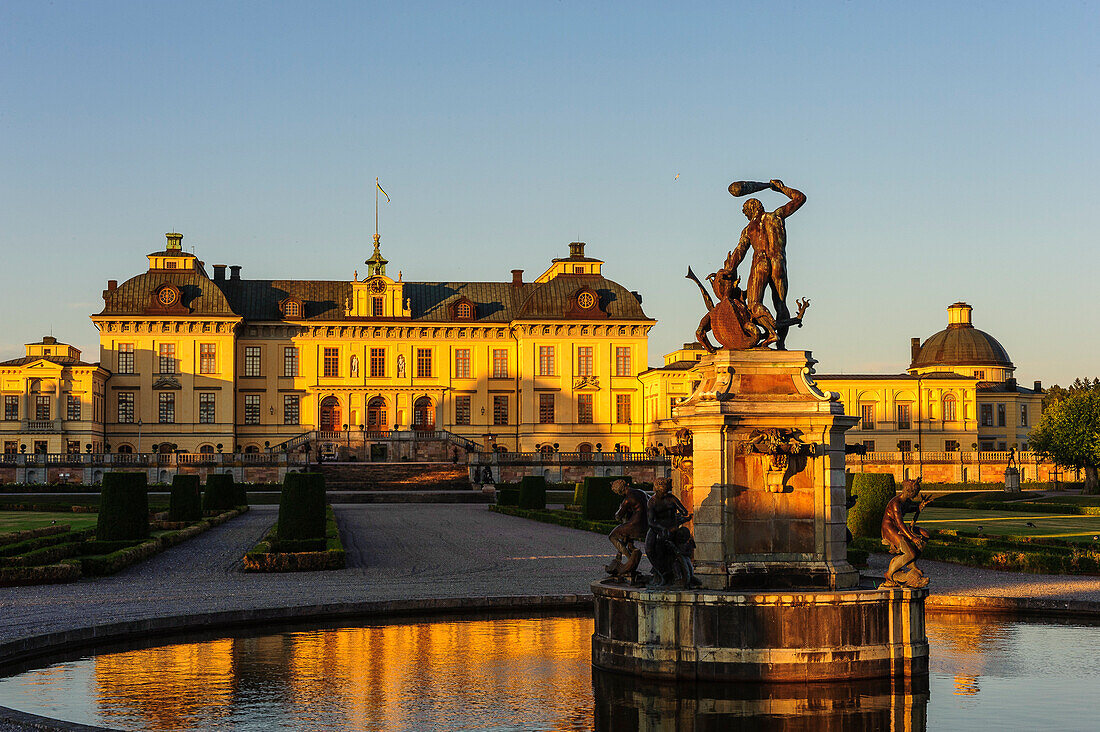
{"x": 208, "y": 361}
{"x": 53, "y": 402}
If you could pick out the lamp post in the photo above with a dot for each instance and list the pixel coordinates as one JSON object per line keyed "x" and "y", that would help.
{"x": 140, "y": 423}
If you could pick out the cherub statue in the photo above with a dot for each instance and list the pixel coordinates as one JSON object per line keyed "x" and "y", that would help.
{"x": 669, "y": 544}
{"x": 632, "y": 527}
{"x": 907, "y": 542}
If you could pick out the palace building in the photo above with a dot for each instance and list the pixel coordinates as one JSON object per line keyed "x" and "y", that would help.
{"x": 197, "y": 362}
{"x": 959, "y": 393}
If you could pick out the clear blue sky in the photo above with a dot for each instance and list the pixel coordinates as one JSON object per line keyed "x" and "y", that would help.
{"x": 949, "y": 152}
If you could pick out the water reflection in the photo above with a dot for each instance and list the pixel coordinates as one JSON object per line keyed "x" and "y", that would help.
{"x": 535, "y": 674}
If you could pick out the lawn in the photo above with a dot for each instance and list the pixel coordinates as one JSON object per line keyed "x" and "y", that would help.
{"x": 1013, "y": 523}
{"x": 21, "y": 520}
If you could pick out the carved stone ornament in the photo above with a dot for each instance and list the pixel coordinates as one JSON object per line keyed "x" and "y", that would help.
{"x": 167, "y": 382}
{"x": 586, "y": 382}
{"x": 779, "y": 445}
{"x": 716, "y": 386}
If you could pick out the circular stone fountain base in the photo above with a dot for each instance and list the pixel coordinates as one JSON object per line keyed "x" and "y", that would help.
{"x": 797, "y": 635}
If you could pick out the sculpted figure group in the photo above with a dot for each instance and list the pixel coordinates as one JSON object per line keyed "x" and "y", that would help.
{"x": 906, "y": 541}
{"x": 659, "y": 520}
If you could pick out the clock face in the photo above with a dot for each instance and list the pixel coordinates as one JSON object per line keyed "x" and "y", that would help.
{"x": 377, "y": 287}
{"x": 586, "y": 300}
{"x": 167, "y": 296}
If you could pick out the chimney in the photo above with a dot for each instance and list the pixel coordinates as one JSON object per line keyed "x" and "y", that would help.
{"x": 1038, "y": 386}
{"x": 576, "y": 249}
{"x": 112, "y": 285}
{"x": 914, "y": 348}
{"x": 1011, "y": 383}
{"x": 234, "y": 271}
{"x": 219, "y": 272}
{"x": 517, "y": 278}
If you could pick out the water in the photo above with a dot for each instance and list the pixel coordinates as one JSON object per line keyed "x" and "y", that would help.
{"x": 535, "y": 674}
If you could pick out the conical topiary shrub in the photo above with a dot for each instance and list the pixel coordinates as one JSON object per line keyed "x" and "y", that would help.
{"x": 302, "y": 507}
{"x": 123, "y": 508}
{"x": 532, "y": 492}
{"x": 185, "y": 503}
{"x": 873, "y": 491}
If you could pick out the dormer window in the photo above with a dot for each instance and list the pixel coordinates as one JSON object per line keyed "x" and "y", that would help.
{"x": 463, "y": 309}
{"x": 170, "y": 264}
{"x": 291, "y": 307}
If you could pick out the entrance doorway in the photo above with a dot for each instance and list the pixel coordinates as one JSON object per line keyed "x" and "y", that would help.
{"x": 330, "y": 414}
{"x": 376, "y": 414}
{"x": 423, "y": 414}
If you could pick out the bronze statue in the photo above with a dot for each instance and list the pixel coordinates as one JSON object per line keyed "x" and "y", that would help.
{"x": 669, "y": 544}
{"x": 632, "y": 527}
{"x": 907, "y": 542}
{"x": 766, "y": 233}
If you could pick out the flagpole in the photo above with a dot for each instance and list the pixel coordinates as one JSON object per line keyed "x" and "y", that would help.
{"x": 376, "y": 184}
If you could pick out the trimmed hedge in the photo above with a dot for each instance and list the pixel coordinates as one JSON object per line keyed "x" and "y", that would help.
{"x": 220, "y": 494}
{"x": 123, "y": 508}
{"x": 507, "y": 494}
{"x": 600, "y": 502}
{"x": 302, "y": 507}
{"x": 271, "y": 555}
{"x": 874, "y": 491}
{"x": 185, "y": 503}
{"x": 532, "y": 492}
{"x": 560, "y": 518}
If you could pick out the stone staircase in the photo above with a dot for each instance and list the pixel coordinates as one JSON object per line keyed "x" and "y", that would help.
{"x": 400, "y": 483}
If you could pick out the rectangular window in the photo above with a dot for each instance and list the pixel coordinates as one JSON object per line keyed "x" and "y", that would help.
{"x": 869, "y": 445}
{"x": 622, "y": 361}
{"x": 208, "y": 358}
{"x": 672, "y": 402}
{"x": 584, "y": 361}
{"x": 462, "y": 363}
{"x": 72, "y": 411}
{"x": 72, "y": 447}
{"x": 166, "y": 407}
{"x": 462, "y": 410}
{"x": 949, "y": 411}
{"x": 904, "y": 421}
{"x": 980, "y": 375}
{"x": 423, "y": 363}
{"x": 251, "y": 360}
{"x": 126, "y": 358}
{"x": 377, "y": 363}
{"x": 584, "y": 409}
{"x": 867, "y": 416}
{"x": 500, "y": 363}
{"x": 1023, "y": 415}
{"x": 985, "y": 446}
{"x": 11, "y": 406}
{"x": 546, "y": 408}
{"x": 987, "y": 415}
{"x": 291, "y": 409}
{"x": 41, "y": 408}
{"x": 167, "y": 354}
{"x": 546, "y": 360}
{"x": 500, "y": 409}
{"x": 40, "y": 446}
{"x": 376, "y": 307}
{"x": 622, "y": 408}
{"x": 951, "y": 445}
{"x": 251, "y": 408}
{"x": 1002, "y": 417}
{"x": 331, "y": 365}
{"x": 126, "y": 407}
{"x": 11, "y": 447}
{"x": 207, "y": 412}
{"x": 290, "y": 361}
{"x": 1002, "y": 446}
{"x": 905, "y": 445}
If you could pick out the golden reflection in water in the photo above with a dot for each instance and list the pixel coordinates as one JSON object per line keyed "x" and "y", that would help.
{"x": 378, "y": 677}
{"x": 965, "y": 642}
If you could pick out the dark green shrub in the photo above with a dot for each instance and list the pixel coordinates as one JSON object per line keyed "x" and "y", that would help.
{"x": 578, "y": 494}
{"x": 532, "y": 492}
{"x": 874, "y": 490}
{"x": 508, "y": 495}
{"x": 123, "y": 508}
{"x": 220, "y": 493}
{"x": 302, "y": 507}
{"x": 240, "y": 494}
{"x": 185, "y": 503}
{"x": 600, "y": 502}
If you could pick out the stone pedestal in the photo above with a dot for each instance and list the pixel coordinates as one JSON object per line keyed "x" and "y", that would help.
{"x": 766, "y": 521}
{"x": 763, "y": 472}
{"x": 801, "y": 635}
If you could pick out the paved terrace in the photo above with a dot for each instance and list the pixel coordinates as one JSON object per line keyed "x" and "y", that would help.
{"x": 395, "y": 552}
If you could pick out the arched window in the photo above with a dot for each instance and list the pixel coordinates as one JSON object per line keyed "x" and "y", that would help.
{"x": 547, "y": 449}
{"x": 293, "y": 309}
{"x": 252, "y": 449}
{"x": 464, "y": 310}
{"x": 949, "y": 411}
{"x": 584, "y": 447}
{"x": 423, "y": 414}
{"x": 125, "y": 450}
{"x": 330, "y": 414}
{"x": 376, "y": 414}
{"x": 207, "y": 449}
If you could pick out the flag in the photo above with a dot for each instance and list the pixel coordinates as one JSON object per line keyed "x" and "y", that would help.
{"x": 383, "y": 191}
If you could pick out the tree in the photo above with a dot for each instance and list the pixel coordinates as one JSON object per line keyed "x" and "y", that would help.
{"x": 1069, "y": 434}
{"x": 1057, "y": 393}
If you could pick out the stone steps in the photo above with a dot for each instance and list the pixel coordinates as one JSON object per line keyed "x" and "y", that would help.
{"x": 395, "y": 477}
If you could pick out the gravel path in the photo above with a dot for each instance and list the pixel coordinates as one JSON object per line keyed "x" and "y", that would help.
{"x": 396, "y": 552}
